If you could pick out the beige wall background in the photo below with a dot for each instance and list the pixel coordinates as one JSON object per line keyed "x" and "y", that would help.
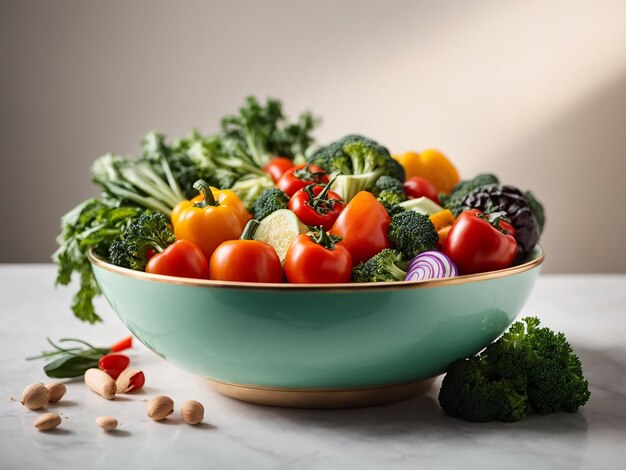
{"x": 534, "y": 91}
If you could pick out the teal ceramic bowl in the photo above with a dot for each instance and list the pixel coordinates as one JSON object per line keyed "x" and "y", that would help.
{"x": 317, "y": 345}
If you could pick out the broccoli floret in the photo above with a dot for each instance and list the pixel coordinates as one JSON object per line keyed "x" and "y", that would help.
{"x": 546, "y": 364}
{"x": 358, "y": 163}
{"x": 389, "y": 184}
{"x": 412, "y": 233}
{"x": 536, "y": 208}
{"x": 394, "y": 169}
{"x": 269, "y": 201}
{"x": 391, "y": 201}
{"x": 150, "y": 232}
{"x": 390, "y": 197}
{"x": 386, "y": 266}
{"x": 468, "y": 392}
{"x": 526, "y": 369}
{"x": 454, "y": 200}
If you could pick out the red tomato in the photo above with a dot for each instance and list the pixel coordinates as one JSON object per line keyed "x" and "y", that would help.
{"x": 316, "y": 205}
{"x": 318, "y": 261}
{"x": 476, "y": 245}
{"x": 277, "y": 166}
{"x": 363, "y": 227}
{"x": 245, "y": 261}
{"x": 182, "y": 258}
{"x": 113, "y": 364}
{"x": 417, "y": 186}
{"x": 299, "y": 176}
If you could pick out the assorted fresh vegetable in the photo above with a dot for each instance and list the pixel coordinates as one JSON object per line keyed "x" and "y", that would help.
{"x": 529, "y": 368}
{"x": 260, "y": 201}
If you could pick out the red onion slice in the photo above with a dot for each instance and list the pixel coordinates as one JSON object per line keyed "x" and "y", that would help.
{"x": 430, "y": 265}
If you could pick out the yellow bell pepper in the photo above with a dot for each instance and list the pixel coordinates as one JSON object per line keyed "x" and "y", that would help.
{"x": 432, "y": 165}
{"x": 209, "y": 219}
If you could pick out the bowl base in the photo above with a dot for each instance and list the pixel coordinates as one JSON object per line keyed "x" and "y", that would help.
{"x": 321, "y": 397}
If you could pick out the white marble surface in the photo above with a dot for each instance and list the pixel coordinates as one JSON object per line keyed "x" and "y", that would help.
{"x": 591, "y": 310}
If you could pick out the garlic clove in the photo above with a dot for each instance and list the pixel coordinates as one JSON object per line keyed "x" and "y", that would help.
{"x": 57, "y": 390}
{"x": 192, "y": 412}
{"x": 47, "y": 421}
{"x": 160, "y": 407}
{"x": 35, "y": 396}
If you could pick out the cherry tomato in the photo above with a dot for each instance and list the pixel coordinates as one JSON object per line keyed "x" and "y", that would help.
{"x": 479, "y": 243}
{"x": 113, "y": 364}
{"x": 245, "y": 261}
{"x": 417, "y": 186}
{"x": 182, "y": 258}
{"x": 277, "y": 166}
{"x": 318, "y": 259}
{"x": 299, "y": 176}
{"x": 137, "y": 381}
{"x": 316, "y": 205}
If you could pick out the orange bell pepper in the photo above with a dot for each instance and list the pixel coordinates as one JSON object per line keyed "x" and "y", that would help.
{"x": 442, "y": 219}
{"x": 211, "y": 219}
{"x": 363, "y": 226}
{"x": 432, "y": 165}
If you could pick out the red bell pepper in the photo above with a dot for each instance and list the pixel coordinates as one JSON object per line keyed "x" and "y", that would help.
{"x": 480, "y": 242}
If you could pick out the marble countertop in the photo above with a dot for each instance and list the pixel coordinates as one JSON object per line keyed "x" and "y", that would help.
{"x": 590, "y": 310}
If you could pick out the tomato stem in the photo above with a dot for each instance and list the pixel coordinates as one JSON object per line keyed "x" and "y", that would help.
{"x": 323, "y": 238}
{"x": 305, "y": 174}
{"x": 204, "y": 189}
{"x": 494, "y": 219}
{"x": 320, "y": 203}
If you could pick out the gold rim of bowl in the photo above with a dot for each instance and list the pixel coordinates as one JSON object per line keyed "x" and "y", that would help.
{"x": 355, "y": 286}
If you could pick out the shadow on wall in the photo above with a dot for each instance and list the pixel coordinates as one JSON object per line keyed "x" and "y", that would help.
{"x": 579, "y": 174}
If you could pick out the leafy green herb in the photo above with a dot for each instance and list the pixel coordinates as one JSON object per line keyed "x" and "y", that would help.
{"x": 93, "y": 224}
{"x": 70, "y": 362}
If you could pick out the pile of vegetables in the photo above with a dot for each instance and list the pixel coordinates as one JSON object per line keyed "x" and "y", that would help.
{"x": 260, "y": 201}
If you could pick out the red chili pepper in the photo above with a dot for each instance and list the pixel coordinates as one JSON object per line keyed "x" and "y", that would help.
{"x": 126, "y": 343}
{"x": 317, "y": 205}
{"x": 113, "y": 364}
{"x": 300, "y": 176}
{"x": 137, "y": 381}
